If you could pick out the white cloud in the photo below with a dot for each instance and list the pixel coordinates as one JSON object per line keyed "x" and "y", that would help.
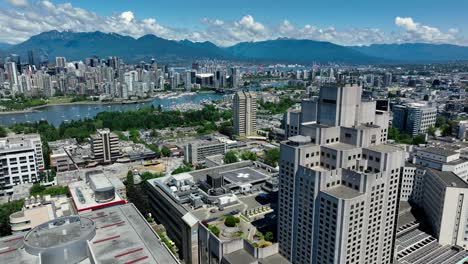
{"x": 17, "y": 3}
{"x": 417, "y": 32}
{"x": 23, "y": 19}
{"x": 128, "y": 17}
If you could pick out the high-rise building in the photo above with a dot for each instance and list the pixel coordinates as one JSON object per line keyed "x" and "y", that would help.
{"x": 414, "y": 118}
{"x": 235, "y": 77}
{"x": 338, "y": 183}
{"x": 12, "y": 76}
{"x": 17, "y": 60}
{"x": 32, "y": 60}
{"x": 445, "y": 200}
{"x": 105, "y": 146}
{"x": 387, "y": 79}
{"x": 188, "y": 80}
{"x": 244, "y": 109}
{"x": 60, "y": 62}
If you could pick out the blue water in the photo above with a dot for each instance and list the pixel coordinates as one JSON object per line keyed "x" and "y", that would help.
{"x": 56, "y": 114}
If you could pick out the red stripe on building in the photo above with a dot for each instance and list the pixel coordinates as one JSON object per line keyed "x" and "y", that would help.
{"x": 99, "y": 216}
{"x": 128, "y": 252}
{"x": 136, "y": 260}
{"x": 13, "y": 239}
{"x": 106, "y": 239}
{"x": 92, "y": 208}
{"x": 8, "y": 251}
{"x": 114, "y": 224}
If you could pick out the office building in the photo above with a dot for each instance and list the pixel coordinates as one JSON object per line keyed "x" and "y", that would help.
{"x": 196, "y": 152}
{"x": 338, "y": 183}
{"x": 60, "y": 62}
{"x": 244, "y": 110}
{"x": 445, "y": 203}
{"x": 118, "y": 234}
{"x": 442, "y": 160}
{"x": 105, "y": 146}
{"x": 20, "y": 160}
{"x": 415, "y": 246}
{"x": 414, "y": 118}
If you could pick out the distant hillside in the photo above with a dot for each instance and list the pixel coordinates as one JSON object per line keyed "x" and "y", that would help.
{"x": 300, "y": 51}
{"x": 77, "y": 46}
{"x": 416, "y": 52}
{"x": 4, "y": 46}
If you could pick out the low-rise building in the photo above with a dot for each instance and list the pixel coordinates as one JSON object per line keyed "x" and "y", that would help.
{"x": 196, "y": 152}
{"x": 93, "y": 193}
{"x": 181, "y": 201}
{"x": 118, "y": 234}
{"x": 61, "y": 157}
{"x": 38, "y": 210}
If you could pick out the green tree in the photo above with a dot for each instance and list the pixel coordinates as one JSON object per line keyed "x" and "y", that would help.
{"x": 248, "y": 155}
{"x": 440, "y": 121}
{"x": 419, "y": 139}
{"x": 181, "y": 169}
{"x": 3, "y": 132}
{"x": 272, "y": 157}
{"x": 231, "y": 221}
{"x": 166, "y": 152}
{"x": 230, "y": 157}
{"x": 36, "y": 189}
{"x": 269, "y": 236}
{"x": 6, "y": 209}
{"x": 130, "y": 182}
{"x": 393, "y": 133}
{"x": 431, "y": 131}
{"x": 446, "y": 130}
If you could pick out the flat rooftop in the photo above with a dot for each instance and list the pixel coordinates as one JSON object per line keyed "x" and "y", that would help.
{"x": 438, "y": 151}
{"x": 244, "y": 176}
{"x": 122, "y": 236}
{"x": 83, "y": 197}
{"x": 340, "y": 146}
{"x": 342, "y": 192}
{"x": 384, "y": 148}
{"x": 449, "y": 178}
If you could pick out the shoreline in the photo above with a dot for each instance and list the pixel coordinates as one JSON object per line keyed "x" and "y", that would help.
{"x": 35, "y": 108}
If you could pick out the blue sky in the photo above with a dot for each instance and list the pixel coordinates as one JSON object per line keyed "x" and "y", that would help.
{"x": 348, "y": 22}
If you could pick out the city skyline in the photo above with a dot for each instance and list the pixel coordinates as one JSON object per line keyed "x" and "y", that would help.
{"x": 359, "y": 23}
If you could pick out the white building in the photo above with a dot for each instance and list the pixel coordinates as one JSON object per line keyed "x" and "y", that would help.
{"x": 338, "y": 183}
{"x": 442, "y": 160}
{"x": 196, "y": 152}
{"x": 20, "y": 160}
{"x": 445, "y": 204}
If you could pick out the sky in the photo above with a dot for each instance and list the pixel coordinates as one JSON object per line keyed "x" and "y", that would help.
{"x": 225, "y": 23}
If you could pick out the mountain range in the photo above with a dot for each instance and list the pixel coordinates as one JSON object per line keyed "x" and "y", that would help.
{"x": 79, "y": 45}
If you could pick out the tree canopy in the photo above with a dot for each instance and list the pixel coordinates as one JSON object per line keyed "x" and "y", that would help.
{"x": 230, "y": 157}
